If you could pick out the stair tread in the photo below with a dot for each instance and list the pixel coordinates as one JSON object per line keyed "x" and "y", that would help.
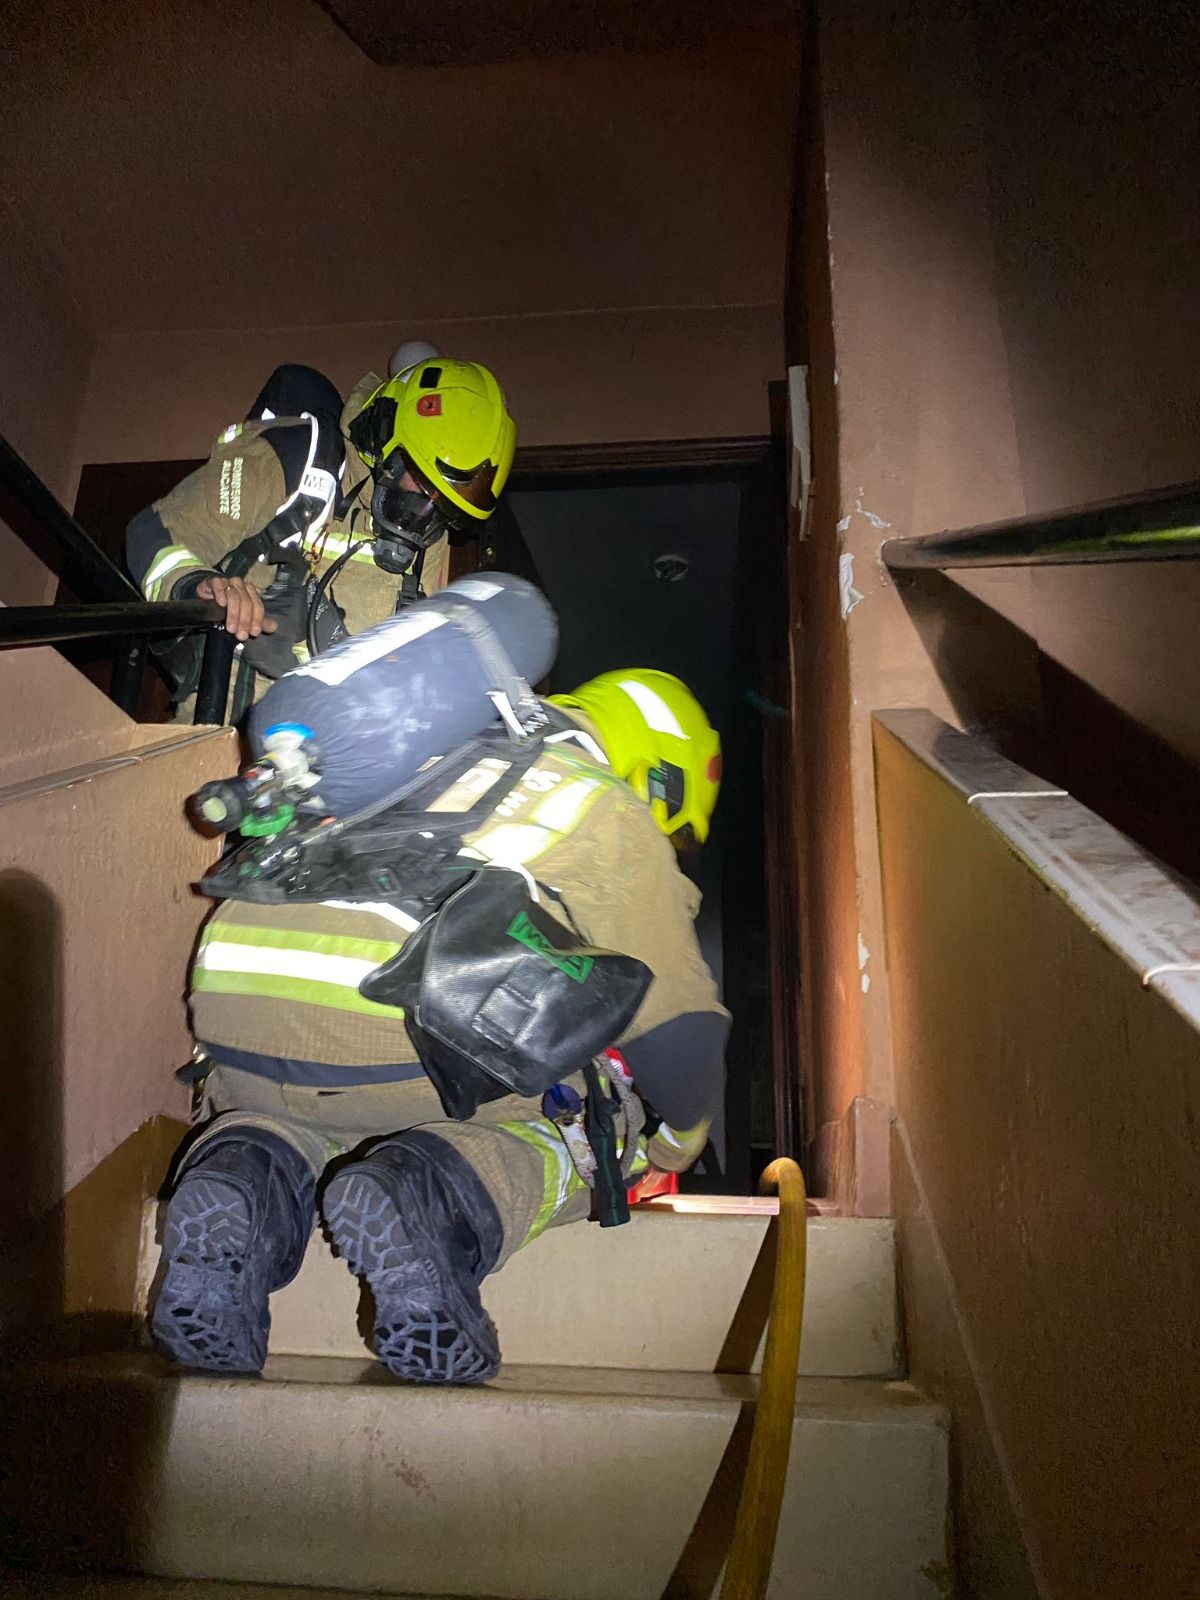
{"x": 98, "y": 1586}
{"x": 553, "y": 1302}
{"x": 327, "y": 1473}
{"x": 866, "y": 1399}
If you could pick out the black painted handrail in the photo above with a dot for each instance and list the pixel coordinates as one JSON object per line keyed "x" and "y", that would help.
{"x": 27, "y": 625}
{"x": 109, "y": 606}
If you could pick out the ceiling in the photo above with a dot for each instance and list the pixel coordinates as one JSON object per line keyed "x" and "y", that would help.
{"x": 242, "y": 166}
{"x": 484, "y": 32}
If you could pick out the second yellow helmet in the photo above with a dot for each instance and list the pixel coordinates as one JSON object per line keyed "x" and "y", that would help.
{"x": 657, "y": 737}
{"x": 449, "y": 421}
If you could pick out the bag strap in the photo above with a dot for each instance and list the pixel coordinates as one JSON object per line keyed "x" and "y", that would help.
{"x": 611, "y": 1203}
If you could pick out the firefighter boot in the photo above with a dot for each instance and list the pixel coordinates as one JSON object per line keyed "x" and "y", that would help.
{"x": 415, "y": 1221}
{"x": 235, "y": 1230}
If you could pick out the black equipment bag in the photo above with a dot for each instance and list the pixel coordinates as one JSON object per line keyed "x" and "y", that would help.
{"x": 500, "y": 998}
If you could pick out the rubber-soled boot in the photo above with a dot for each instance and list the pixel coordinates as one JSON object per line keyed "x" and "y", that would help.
{"x": 235, "y": 1230}
{"x": 414, "y": 1220}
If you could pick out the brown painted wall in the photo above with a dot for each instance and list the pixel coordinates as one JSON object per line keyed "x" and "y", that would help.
{"x": 914, "y": 392}
{"x": 1009, "y": 234}
{"x": 54, "y": 719}
{"x": 588, "y": 378}
{"x": 833, "y": 1046}
{"x": 1046, "y": 1153}
{"x": 97, "y": 922}
{"x": 1009, "y": 230}
{"x": 46, "y": 347}
{"x": 608, "y": 228}
{"x": 246, "y": 167}
{"x": 98, "y": 864}
{"x": 1092, "y": 140}
{"x": 98, "y": 917}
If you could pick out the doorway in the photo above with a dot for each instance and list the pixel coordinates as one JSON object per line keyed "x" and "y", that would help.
{"x": 669, "y": 565}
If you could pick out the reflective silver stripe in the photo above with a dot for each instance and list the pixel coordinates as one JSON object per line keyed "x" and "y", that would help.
{"x": 584, "y": 740}
{"x": 217, "y": 956}
{"x": 315, "y": 484}
{"x": 657, "y": 713}
{"x": 312, "y": 456}
{"x": 377, "y": 908}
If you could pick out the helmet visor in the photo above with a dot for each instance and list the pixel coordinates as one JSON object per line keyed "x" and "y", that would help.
{"x": 475, "y": 486}
{"x": 403, "y": 508}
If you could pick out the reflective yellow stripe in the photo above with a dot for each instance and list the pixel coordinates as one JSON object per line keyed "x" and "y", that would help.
{"x": 175, "y": 559}
{"x": 554, "y": 815}
{"x": 687, "y": 1143}
{"x": 559, "y": 1178}
{"x": 286, "y": 964}
{"x": 300, "y": 991}
{"x": 328, "y": 546}
{"x": 641, "y": 1162}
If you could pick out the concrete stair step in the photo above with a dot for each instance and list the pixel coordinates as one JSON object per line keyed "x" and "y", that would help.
{"x": 99, "y": 1586}
{"x": 550, "y": 1484}
{"x": 659, "y": 1294}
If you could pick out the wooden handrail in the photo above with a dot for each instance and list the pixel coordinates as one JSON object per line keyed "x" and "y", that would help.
{"x": 748, "y": 1569}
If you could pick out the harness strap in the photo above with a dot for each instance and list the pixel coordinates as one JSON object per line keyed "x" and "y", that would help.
{"x": 612, "y": 1206}
{"x": 587, "y": 1128}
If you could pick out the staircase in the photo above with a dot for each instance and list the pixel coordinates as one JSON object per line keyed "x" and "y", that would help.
{"x": 582, "y": 1473}
{"x": 606, "y": 1461}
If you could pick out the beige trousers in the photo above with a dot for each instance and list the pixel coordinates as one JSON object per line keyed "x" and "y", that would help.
{"x": 517, "y": 1154}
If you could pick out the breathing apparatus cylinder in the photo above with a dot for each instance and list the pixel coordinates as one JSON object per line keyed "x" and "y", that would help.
{"x": 380, "y": 705}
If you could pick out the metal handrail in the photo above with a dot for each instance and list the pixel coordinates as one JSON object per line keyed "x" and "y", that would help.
{"x": 27, "y": 625}
{"x": 1158, "y": 525}
{"x": 748, "y": 1569}
{"x": 112, "y": 607}
{"x": 81, "y": 564}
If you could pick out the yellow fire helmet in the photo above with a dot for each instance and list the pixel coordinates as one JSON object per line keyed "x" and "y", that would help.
{"x": 657, "y": 737}
{"x": 446, "y": 423}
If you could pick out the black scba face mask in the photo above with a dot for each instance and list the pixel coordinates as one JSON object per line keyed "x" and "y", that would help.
{"x": 408, "y": 520}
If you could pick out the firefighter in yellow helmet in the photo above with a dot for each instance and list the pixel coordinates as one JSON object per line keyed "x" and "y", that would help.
{"x": 290, "y": 1000}
{"x": 658, "y": 739}
{"x": 313, "y": 519}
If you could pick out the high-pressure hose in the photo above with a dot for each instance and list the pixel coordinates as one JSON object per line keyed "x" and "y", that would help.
{"x": 323, "y": 584}
{"x": 410, "y": 588}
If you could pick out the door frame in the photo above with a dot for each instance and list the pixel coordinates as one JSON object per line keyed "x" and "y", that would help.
{"x": 549, "y": 460}
{"x": 766, "y": 654}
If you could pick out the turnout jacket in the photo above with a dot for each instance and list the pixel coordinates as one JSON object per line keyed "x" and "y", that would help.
{"x": 275, "y": 987}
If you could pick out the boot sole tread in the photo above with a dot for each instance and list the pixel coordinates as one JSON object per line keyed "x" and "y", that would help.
{"x": 207, "y": 1235}
{"x": 448, "y": 1339}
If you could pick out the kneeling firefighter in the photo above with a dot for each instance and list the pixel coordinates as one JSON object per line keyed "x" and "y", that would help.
{"x": 312, "y": 518}
{"x": 434, "y": 954}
